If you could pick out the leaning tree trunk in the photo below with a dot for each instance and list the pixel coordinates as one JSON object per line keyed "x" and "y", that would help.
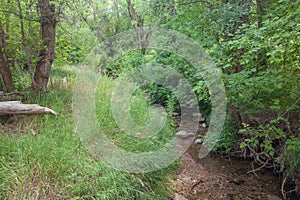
{"x": 43, "y": 66}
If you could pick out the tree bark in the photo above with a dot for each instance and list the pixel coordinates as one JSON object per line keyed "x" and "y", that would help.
{"x": 4, "y": 67}
{"x": 43, "y": 66}
{"x": 5, "y": 73}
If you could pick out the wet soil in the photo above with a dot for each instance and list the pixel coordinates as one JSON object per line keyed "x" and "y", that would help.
{"x": 215, "y": 178}
{"x": 220, "y": 178}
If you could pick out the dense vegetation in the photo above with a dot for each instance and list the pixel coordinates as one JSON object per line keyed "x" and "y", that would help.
{"x": 254, "y": 43}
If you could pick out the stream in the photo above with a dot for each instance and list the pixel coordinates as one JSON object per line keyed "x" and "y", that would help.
{"x": 219, "y": 178}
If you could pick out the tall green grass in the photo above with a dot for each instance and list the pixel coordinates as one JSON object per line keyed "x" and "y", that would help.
{"x": 139, "y": 113}
{"x": 52, "y": 163}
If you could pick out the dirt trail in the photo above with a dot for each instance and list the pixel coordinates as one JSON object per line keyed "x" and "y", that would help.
{"x": 218, "y": 178}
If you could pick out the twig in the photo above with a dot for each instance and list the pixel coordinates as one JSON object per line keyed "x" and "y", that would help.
{"x": 259, "y": 168}
{"x": 254, "y": 171}
{"x": 197, "y": 183}
{"x": 282, "y": 188}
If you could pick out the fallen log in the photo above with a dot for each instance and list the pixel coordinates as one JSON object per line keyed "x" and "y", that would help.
{"x": 16, "y": 107}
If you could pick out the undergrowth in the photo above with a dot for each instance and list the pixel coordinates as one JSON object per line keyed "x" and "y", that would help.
{"x": 48, "y": 160}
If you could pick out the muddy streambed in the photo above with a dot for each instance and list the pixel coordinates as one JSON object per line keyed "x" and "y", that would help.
{"x": 220, "y": 178}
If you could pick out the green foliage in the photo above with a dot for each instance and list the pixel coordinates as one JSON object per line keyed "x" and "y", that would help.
{"x": 124, "y": 64}
{"x": 160, "y": 94}
{"x": 261, "y": 72}
{"x": 290, "y": 159}
{"x": 264, "y": 137}
{"x": 229, "y": 140}
{"x": 22, "y": 80}
{"x": 73, "y": 45}
{"x": 10, "y": 23}
{"x": 270, "y": 62}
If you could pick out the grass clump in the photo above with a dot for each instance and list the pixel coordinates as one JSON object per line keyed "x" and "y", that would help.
{"x": 52, "y": 163}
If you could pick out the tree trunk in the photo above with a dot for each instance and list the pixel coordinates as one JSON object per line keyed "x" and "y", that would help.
{"x": 5, "y": 73}
{"x": 4, "y": 67}
{"x": 43, "y": 66}
{"x": 26, "y": 50}
{"x": 138, "y": 25}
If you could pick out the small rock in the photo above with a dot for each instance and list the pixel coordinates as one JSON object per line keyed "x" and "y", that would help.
{"x": 198, "y": 141}
{"x": 186, "y": 179}
{"x": 179, "y": 197}
{"x": 33, "y": 132}
{"x": 175, "y": 114}
{"x": 229, "y": 197}
{"x": 202, "y": 119}
{"x": 197, "y": 115}
{"x": 183, "y": 134}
